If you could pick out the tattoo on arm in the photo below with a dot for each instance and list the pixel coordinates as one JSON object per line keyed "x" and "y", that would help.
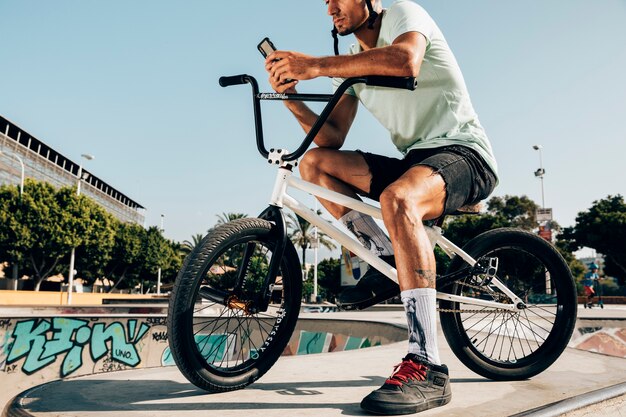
{"x": 428, "y": 276}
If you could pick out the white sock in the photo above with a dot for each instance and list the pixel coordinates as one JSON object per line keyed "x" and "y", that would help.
{"x": 421, "y": 309}
{"x": 368, "y": 232}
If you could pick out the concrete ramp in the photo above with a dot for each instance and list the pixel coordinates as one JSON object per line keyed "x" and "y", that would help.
{"x": 327, "y": 384}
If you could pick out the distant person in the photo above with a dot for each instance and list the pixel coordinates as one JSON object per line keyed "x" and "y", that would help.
{"x": 591, "y": 278}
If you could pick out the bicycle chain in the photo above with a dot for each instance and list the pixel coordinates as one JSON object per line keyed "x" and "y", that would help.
{"x": 462, "y": 310}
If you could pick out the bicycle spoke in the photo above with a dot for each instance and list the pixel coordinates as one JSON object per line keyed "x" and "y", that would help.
{"x": 535, "y": 323}
{"x": 229, "y": 338}
{"x": 489, "y": 333}
{"x": 531, "y": 330}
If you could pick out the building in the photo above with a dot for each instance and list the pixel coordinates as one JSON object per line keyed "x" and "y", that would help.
{"x": 43, "y": 163}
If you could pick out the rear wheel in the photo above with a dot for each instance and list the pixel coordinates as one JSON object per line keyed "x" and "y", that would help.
{"x": 220, "y": 336}
{"x": 511, "y": 344}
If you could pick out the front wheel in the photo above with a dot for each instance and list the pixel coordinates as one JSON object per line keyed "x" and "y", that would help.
{"x": 220, "y": 335}
{"x": 511, "y": 344}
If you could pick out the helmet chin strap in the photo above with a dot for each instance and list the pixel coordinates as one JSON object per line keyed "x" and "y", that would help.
{"x": 371, "y": 20}
{"x": 335, "y": 32}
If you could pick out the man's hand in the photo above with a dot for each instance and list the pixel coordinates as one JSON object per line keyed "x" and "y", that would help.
{"x": 283, "y": 87}
{"x": 284, "y": 65}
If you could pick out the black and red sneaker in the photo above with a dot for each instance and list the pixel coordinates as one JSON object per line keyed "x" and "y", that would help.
{"x": 414, "y": 386}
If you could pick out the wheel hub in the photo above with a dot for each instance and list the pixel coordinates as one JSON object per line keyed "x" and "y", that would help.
{"x": 234, "y": 303}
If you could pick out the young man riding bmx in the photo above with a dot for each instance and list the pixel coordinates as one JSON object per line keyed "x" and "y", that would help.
{"x": 447, "y": 163}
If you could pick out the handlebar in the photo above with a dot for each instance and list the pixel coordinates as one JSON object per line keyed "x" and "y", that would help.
{"x": 234, "y": 80}
{"x": 407, "y": 83}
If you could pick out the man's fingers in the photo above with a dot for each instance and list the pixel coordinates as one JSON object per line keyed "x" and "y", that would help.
{"x": 276, "y": 55}
{"x": 290, "y": 84}
{"x": 282, "y": 71}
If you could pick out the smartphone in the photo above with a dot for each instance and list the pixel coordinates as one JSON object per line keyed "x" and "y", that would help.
{"x": 266, "y": 47}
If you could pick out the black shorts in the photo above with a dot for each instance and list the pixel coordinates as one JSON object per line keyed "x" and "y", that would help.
{"x": 467, "y": 176}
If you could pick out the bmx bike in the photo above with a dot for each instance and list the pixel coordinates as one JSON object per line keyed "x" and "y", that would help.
{"x": 507, "y": 303}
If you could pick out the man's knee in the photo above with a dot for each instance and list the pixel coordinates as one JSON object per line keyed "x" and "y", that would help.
{"x": 309, "y": 164}
{"x": 397, "y": 200}
{"x": 312, "y": 163}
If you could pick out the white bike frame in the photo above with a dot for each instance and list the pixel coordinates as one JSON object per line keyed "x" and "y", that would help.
{"x": 281, "y": 198}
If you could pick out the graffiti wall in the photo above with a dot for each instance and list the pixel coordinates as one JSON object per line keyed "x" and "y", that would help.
{"x": 332, "y": 335}
{"x": 37, "y": 350}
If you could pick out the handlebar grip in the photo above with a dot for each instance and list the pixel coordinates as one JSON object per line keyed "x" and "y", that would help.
{"x": 233, "y": 80}
{"x": 406, "y": 83}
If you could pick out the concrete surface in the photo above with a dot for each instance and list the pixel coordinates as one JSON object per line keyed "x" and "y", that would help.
{"x": 326, "y": 385}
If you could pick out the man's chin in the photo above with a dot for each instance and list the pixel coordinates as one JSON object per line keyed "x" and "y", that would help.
{"x": 345, "y": 32}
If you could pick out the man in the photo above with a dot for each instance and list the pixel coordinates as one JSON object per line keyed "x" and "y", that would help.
{"x": 447, "y": 163}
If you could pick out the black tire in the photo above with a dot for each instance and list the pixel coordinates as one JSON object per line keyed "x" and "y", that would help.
{"x": 512, "y": 345}
{"x": 224, "y": 346}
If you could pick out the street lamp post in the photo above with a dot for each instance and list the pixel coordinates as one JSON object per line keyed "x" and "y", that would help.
{"x": 540, "y": 173}
{"x": 159, "y": 271}
{"x": 73, "y": 253}
{"x": 317, "y": 245}
{"x": 15, "y": 156}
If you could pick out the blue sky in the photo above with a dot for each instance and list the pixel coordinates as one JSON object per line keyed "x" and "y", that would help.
{"x": 135, "y": 84}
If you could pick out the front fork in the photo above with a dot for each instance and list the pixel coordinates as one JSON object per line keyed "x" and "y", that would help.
{"x": 274, "y": 215}
{"x": 240, "y": 300}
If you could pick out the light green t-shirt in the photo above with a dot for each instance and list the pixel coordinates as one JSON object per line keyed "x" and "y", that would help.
{"x": 439, "y": 112}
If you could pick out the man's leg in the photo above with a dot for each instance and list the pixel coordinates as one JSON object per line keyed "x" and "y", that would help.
{"x": 420, "y": 382}
{"x": 345, "y": 172}
{"x": 418, "y": 195}
{"x": 340, "y": 171}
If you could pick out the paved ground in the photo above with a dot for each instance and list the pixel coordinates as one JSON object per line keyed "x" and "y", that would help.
{"x": 326, "y": 385}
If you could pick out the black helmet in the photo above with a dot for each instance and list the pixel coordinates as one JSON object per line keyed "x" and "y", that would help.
{"x": 370, "y": 24}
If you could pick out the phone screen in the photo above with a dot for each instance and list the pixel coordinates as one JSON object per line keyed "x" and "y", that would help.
{"x": 266, "y": 47}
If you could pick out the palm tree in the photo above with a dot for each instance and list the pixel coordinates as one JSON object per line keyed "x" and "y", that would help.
{"x": 188, "y": 246}
{"x": 302, "y": 234}
{"x": 229, "y": 217}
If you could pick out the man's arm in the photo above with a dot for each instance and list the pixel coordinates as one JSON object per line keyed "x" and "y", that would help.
{"x": 403, "y": 58}
{"x": 333, "y": 133}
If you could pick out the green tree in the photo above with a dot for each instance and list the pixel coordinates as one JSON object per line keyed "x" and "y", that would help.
{"x": 507, "y": 211}
{"x": 96, "y": 250}
{"x": 15, "y": 236}
{"x": 138, "y": 254}
{"x": 576, "y": 267}
{"x": 328, "y": 278}
{"x": 172, "y": 263}
{"x": 158, "y": 252}
{"x": 302, "y": 234}
{"x": 40, "y": 229}
{"x": 127, "y": 255}
{"x": 603, "y": 228}
{"x": 44, "y": 239}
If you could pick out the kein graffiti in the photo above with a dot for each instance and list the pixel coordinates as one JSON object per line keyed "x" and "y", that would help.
{"x": 41, "y": 341}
